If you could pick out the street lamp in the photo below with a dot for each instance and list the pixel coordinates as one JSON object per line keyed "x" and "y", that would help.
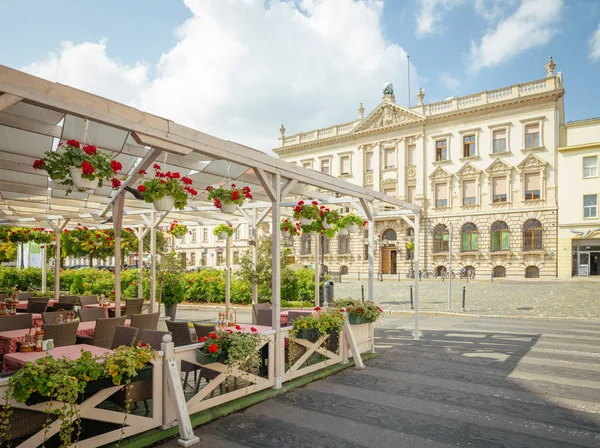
{"x": 382, "y": 243}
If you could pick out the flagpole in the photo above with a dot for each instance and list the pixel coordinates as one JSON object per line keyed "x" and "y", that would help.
{"x": 408, "y": 68}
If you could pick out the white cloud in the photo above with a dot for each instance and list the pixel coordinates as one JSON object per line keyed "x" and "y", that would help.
{"x": 595, "y": 45}
{"x": 240, "y": 69}
{"x": 431, "y": 13}
{"x": 492, "y": 10}
{"x": 448, "y": 81}
{"x": 532, "y": 25}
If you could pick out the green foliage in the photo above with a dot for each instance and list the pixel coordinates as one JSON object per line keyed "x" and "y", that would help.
{"x": 223, "y": 228}
{"x": 129, "y": 283}
{"x": 323, "y": 322}
{"x": 233, "y": 195}
{"x": 241, "y": 348}
{"x": 23, "y": 279}
{"x": 172, "y": 293}
{"x": 167, "y": 184}
{"x": 358, "y": 309}
{"x": 178, "y": 230}
{"x": 350, "y": 218}
{"x": 90, "y": 280}
{"x": 8, "y": 251}
{"x": 309, "y": 211}
{"x": 169, "y": 272}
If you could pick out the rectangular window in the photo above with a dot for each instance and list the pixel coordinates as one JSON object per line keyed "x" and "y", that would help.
{"x": 532, "y": 135}
{"x": 499, "y": 190}
{"x": 499, "y": 137}
{"x": 590, "y": 206}
{"x": 366, "y": 252}
{"x": 410, "y": 194}
{"x": 441, "y": 195}
{"x": 391, "y": 192}
{"x": 307, "y": 165}
{"x": 325, "y": 166}
{"x": 500, "y": 240}
{"x": 204, "y": 235}
{"x": 192, "y": 258}
{"x": 345, "y": 165}
{"x": 469, "y": 192}
{"x": 343, "y": 244}
{"x": 590, "y": 167}
{"x": 369, "y": 161}
{"x": 203, "y": 258}
{"x": 441, "y": 150}
{"x": 390, "y": 158}
{"x": 194, "y": 233}
{"x": 305, "y": 242}
{"x": 468, "y": 146}
{"x": 219, "y": 258}
{"x": 236, "y": 234}
{"x": 236, "y": 257}
{"x": 326, "y": 246}
{"x": 410, "y": 154}
{"x": 532, "y": 186}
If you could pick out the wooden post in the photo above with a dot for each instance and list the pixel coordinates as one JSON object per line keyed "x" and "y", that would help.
{"x": 117, "y": 225}
{"x": 153, "y": 262}
{"x": 254, "y": 248}
{"x": 276, "y": 281}
{"x": 227, "y": 274}
{"x": 351, "y": 341}
{"x": 44, "y": 267}
{"x": 140, "y": 233}
{"x": 58, "y": 227}
{"x": 317, "y": 264}
{"x": 416, "y": 226}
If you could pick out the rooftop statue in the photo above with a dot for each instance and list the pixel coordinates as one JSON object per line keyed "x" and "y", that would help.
{"x": 388, "y": 89}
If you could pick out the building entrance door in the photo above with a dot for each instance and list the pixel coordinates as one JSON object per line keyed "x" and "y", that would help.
{"x": 388, "y": 260}
{"x": 584, "y": 264}
{"x": 594, "y": 263}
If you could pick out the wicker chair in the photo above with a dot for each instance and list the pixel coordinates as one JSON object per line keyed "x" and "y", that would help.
{"x": 204, "y": 329}
{"x": 91, "y": 314}
{"x": 62, "y": 334}
{"x": 23, "y": 422}
{"x": 153, "y": 338}
{"x": 18, "y": 322}
{"x": 124, "y": 336}
{"x": 145, "y": 321}
{"x": 67, "y": 300}
{"x": 51, "y": 317}
{"x": 88, "y": 300}
{"x": 264, "y": 318}
{"x": 3, "y": 295}
{"x": 293, "y": 315}
{"x": 62, "y": 306}
{"x": 104, "y": 332}
{"x": 132, "y": 306}
{"x": 259, "y": 306}
{"x": 182, "y": 336}
{"x": 23, "y": 295}
{"x": 38, "y": 305}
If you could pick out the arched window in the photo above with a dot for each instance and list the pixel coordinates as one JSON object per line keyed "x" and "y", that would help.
{"x": 500, "y": 235}
{"x": 532, "y": 235}
{"x": 532, "y": 272}
{"x": 499, "y": 271}
{"x": 440, "y": 271}
{"x": 440, "y": 238}
{"x": 468, "y": 272}
{"x": 389, "y": 234}
{"x": 305, "y": 242}
{"x": 469, "y": 237}
{"x": 344, "y": 270}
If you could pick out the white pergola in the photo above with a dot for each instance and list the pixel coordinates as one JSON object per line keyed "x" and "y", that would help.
{"x": 36, "y": 114}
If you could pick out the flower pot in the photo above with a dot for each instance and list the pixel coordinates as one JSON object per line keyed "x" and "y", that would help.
{"x": 164, "y": 204}
{"x": 357, "y": 320}
{"x": 80, "y": 183}
{"x": 310, "y": 334}
{"x": 228, "y": 208}
{"x": 104, "y": 382}
{"x": 327, "y": 226}
{"x": 223, "y": 236}
{"x": 313, "y": 233}
{"x": 305, "y": 221}
{"x": 205, "y": 358}
{"x": 171, "y": 311}
{"x": 352, "y": 228}
{"x": 285, "y": 233}
{"x": 343, "y": 231}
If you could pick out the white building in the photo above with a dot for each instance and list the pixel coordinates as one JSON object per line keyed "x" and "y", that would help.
{"x": 482, "y": 166}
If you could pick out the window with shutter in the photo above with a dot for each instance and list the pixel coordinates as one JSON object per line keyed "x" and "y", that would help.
{"x": 532, "y": 186}
{"x": 369, "y": 161}
{"x": 469, "y": 192}
{"x": 441, "y": 195}
{"x": 345, "y": 165}
{"x": 469, "y": 237}
{"x": 390, "y": 158}
{"x": 499, "y": 137}
{"x": 499, "y": 189}
{"x": 410, "y": 154}
{"x": 532, "y": 135}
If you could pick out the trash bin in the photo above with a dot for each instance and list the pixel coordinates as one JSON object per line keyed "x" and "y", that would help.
{"x": 327, "y": 292}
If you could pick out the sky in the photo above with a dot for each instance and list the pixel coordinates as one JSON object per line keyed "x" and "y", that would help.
{"x": 239, "y": 69}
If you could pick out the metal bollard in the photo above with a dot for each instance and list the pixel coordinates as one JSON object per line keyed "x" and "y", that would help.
{"x": 492, "y": 276}
{"x": 362, "y": 292}
{"x": 411, "y": 298}
{"x": 464, "y": 295}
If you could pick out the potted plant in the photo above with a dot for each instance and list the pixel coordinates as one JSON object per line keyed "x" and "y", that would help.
{"x": 306, "y": 213}
{"x": 83, "y": 168}
{"x": 178, "y": 230}
{"x": 359, "y": 312}
{"x": 170, "y": 269}
{"x": 289, "y": 228}
{"x": 312, "y": 229}
{"x": 233, "y": 348}
{"x": 329, "y": 218}
{"x": 167, "y": 190}
{"x": 227, "y": 199}
{"x": 313, "y": 326}
{"x": 223, "y": 231}
{"x": 352, "y": 222}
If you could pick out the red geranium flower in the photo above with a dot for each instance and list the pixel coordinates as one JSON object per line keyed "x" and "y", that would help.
{"x": 358, "y": 310}
{"x": 201, "y": 339}
{"x": 116, "y": 183}
{"x": 253, "y": 330}
{"x": 315, "y": 203}
{"x": 156, "y": 166}
{"x": 90, "y": 150}
{"x": 141, "y": 188}
{"x": 235, "y": 195}
{"x": 162, "y": 181}
{"x": 317, "y": 308}
{"x": 39, "y": 164}
{"x": 229, "y": 331}
{"x": 232, "y": 185}
{"x": 298, "y": 209}
{"x": 143, "y": 344}
{"x": 364, "y": 223}
{"x": 175, "y": 175}
{"x": 209, "y": 188}
{"x": 187, "y": 180}
{"x": 237, "y": 327}
{"x": 212, "y": 335}
{"x": 87, "y": 168}
{"x": 142, "y": 172}
{"x": 213, "y": 348}
{"x": 116, "y": 165}
{"x": 74, "y": 143}
{"x": 300, "y": 202}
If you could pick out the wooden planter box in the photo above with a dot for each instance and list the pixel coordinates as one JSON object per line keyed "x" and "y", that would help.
{"x": 206, "y": 359}
{"x": 310, "y": 334}
{"x": 358, "y": 320}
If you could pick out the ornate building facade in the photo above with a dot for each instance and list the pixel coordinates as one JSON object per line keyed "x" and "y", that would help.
{"x": 483, "y": 167}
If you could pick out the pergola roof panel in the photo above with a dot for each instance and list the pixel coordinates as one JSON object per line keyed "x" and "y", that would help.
{"x": 36, "y": 113}
{"x": 25, "y": 143}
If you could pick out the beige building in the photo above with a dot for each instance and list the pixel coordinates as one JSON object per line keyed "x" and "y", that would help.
{"x": 578, "y": 218}
{"x": 482, "y": 167}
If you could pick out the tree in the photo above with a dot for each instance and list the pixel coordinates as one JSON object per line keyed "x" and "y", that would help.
{"x": 169, "y": 271}
{"x": 8, "y": 251}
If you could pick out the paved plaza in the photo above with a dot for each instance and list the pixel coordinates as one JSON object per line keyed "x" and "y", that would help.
{"x": 554, "y": 298}
{"x": 469, "y": 381}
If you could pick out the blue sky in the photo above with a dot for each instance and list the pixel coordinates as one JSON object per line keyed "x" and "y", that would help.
{"x": 238, "y": 69}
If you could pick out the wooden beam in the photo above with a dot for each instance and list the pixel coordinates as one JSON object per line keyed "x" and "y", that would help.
{"x": 291, "y": 183}
{"x": 266, "y": 183}
{"x": 368, "y": 209}
{"x": 8, "y": 100}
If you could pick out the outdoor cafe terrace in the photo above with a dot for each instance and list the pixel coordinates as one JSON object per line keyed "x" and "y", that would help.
{"x": 38, "y": 116}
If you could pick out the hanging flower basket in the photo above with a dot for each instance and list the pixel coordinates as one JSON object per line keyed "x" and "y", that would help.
{"x": 289, "y": 229}
{"x": 223, "y": 231}
{"x": 84, "y": 169}
{"x": 227, "y": 199}
{"x": 329, "y": 218}
{"x": 178, "y": 230}
{"x": 307, "y": 213}
{"x": 351, "y": 222}
{"x": 167, "y": 190}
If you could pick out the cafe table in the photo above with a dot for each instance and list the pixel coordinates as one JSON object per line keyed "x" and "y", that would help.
{"x": 14, "y": 361}
{"x": 112, "y": 306}
{"x": 283, "y": 316}
{"x": 22, "y": 305}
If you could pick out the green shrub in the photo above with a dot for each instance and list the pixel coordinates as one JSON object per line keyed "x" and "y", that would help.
{"x": 172, "y": 293}
{"x": 84, "y": 281}
{"x": 24, "y": 279}
{"x": 241, "y": 292}
{"x": 129, "y": 283}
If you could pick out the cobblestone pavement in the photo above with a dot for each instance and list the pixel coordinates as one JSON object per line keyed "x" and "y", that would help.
{"x": 554, "y": 298}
